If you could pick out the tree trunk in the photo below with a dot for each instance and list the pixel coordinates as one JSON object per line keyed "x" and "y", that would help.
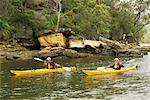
{"x": 58, "y": 15}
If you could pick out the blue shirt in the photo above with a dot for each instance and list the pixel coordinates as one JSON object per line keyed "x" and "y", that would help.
{"x": 118, "y": 68}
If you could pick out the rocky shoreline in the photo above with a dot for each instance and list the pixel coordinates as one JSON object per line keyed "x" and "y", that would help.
{"x": 12, "y": 53}
{"x": 58, "y": 46}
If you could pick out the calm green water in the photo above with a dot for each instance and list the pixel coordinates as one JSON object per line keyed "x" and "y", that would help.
{"x": 75, "y": 85}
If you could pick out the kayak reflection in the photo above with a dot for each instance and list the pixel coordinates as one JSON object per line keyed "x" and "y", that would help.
{"x": 93, "y": 79}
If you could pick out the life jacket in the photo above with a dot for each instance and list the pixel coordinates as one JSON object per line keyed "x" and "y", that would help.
{"x": 117, "y": 67}
{"x": 51, "y": 65}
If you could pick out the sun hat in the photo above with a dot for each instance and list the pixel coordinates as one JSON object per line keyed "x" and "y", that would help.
{"x": 48, "y": 58}
{"x": 116, "y": 59}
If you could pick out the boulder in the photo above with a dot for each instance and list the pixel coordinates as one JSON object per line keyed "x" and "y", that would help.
{"x": 48, "y": 49}
{"x": 74, "y": 54}
{"x": 53, "y": 40}
{"x": 113, "y": 44}
{"x": 71, "y": 53}
{"x": 143, "y": 48}
{"x": 87, "y": 46}
{"x": 50, "y": 54}
{"x": 93, "y": 43}
{"x": 60, "y": 52}
{"x": 76, "y": 44}
{"x": 82, "y": 43}
{"x": 9, "y": 57}
{"x": 12, "y": 56}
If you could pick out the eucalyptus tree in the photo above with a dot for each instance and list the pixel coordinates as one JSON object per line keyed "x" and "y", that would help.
{"x": 142, "y": 16}
{"x": 88, "y": 17}
{"x": 128, "y": 17}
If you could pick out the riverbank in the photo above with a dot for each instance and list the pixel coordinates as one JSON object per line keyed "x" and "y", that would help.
{"x": 78, "y": 48}
{"x": 13, "y": 53}
{"x": 17, "y": 52}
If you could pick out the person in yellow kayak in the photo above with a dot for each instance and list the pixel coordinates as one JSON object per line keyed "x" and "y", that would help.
{"x": 117, "y": 64}
{"x": 50, "y": 63}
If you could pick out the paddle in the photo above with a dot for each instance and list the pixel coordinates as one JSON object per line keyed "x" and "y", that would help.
{"x": 101, "y": 68}
{"x": 65, "y": 68}
{"x": 39, "y": 59}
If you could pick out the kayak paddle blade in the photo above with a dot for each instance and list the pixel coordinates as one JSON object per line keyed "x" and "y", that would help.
{"x": 38, "y": 59}
{"x": 67, "y": 68}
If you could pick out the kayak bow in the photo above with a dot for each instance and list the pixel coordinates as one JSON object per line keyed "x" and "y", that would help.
{"x": 108, "y": 71}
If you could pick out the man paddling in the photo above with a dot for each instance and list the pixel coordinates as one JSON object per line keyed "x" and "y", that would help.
{"x": 50, "y": 63}
{"x": 117, "y": 64}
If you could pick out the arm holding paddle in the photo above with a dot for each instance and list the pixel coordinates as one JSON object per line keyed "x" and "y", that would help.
{"x": 117, "y": 65}
{"x": 52, "y": 63}
{"x": 45, "y": 61}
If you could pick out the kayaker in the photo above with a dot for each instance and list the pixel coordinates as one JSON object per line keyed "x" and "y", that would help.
{"x": 117, "y": 64}
{"x": 50, "y": 63}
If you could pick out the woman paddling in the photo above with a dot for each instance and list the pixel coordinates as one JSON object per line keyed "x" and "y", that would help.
{"x": 50, "y": 63}
{"x": 117, "y": 64}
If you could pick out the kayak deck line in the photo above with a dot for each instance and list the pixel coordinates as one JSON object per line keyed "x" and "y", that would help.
{"x": 108, "y": 71}
{"x": 41, "y": 71}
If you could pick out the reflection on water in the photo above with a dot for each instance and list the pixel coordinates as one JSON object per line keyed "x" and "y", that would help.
{"x": 95, "y": 78}
{"x": 75, "y": 85}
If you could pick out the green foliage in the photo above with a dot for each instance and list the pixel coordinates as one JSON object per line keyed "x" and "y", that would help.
{"x": 53, "y": 20}
{"x": 25, "y": 18}
{"x": 68, "y": 5}
{"x": 5, "y": 29}
{"x": 88, "y": 18}
{"x": 4, "y": 25}
{"x": 102, "y": 18}
{"x": 122, "y": 21}
{"x": 108, "y": 18}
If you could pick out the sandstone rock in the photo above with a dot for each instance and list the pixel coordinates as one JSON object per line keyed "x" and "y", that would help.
{"x": 53, "y": 40}
{"x": 51, "y": 54}
{"x": 48, "y": 49}
{"x": 71, "y": 53}
{"x": 113, "y": 44}
{"x": 93, "y": 43}
{"x": 82, "y": 43}
{"x": 9, "y": 57}
{"x": 76, "y": 44}
{"x": 43, "y": 41}
{"x": 143, "y": 48}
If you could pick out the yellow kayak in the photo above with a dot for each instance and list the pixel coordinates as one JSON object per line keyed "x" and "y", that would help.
{"x": 41, "y": 71}
{"x": 108, "y": 71}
